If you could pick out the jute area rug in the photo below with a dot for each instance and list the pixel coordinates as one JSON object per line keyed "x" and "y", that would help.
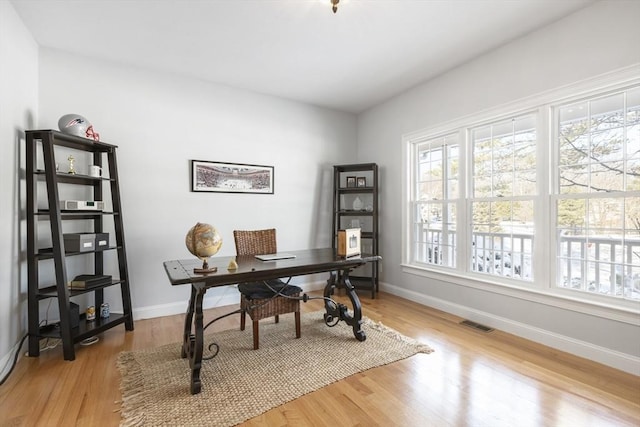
{"x": 241, "y": 383}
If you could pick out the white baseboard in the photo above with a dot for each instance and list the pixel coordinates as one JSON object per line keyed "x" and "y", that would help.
{"x": 7, "y": 359}
{"x": 615, "y": 359}
{"x": 180, "y": 307}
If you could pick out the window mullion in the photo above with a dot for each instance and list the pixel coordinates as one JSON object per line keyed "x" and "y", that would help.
{"x": 463, "y": 235}
{"x": 544, "y": 249}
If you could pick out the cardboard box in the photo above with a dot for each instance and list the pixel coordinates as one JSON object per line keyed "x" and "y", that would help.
{"x": 349, "y": 242}
{"x": 79, "y": 242}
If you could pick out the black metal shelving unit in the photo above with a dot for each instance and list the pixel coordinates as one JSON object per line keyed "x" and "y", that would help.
{"x": 344, "y": 212}
{"x": 45, "y": 142}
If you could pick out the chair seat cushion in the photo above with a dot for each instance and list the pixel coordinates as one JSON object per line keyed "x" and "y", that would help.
{"x": 259, "y": 290}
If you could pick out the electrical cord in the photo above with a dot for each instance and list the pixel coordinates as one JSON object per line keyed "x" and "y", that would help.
{"x": 304, "y": 298}
{"x": 15, "y": 360}
{"x": 47, "y": 346}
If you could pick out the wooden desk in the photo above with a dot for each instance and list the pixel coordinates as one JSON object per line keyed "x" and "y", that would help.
{"x": 249, "y": 269}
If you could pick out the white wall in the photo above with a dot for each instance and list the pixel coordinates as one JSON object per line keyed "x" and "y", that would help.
{"x": 18, "y": 111}
{"x": 159, "y": 123}
{"x": 593, "y": 41}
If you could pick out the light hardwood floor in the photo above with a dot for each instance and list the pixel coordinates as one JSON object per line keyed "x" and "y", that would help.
{"x": 472, "y": 379}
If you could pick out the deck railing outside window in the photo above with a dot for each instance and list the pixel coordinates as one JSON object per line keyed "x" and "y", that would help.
{"x": 606, "y": 265}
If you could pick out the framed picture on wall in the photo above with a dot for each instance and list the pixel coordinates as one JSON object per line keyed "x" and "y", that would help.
{"x": 222, "y": 177}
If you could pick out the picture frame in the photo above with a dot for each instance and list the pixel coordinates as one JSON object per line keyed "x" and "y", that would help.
{"x": 351, "y": 181}
{"x": 362, "y": 181}
{"x": 223, "y": 177}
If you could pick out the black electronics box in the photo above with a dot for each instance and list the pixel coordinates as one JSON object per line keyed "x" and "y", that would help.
{"x": 74, "y": 315}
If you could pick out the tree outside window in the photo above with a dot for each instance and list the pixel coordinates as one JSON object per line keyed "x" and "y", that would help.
{"x": 598, "y": 195}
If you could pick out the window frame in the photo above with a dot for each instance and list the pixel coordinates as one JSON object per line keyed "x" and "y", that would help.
{"x": 556, "y": 194}
{"x": 415, "y": 182}
{"x": 472, "y": 198}
{"x": 543, "y": 288}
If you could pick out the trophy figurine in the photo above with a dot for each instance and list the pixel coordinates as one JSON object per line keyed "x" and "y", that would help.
{"x": 72, "y": 171}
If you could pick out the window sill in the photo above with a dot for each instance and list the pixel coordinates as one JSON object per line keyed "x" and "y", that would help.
{"x": 627, "y": 312}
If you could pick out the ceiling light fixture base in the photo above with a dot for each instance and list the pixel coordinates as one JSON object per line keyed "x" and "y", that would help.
{"x": 334, "y": 5}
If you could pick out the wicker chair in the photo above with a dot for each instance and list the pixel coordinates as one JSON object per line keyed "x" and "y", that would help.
{"x": 256, "y": 298}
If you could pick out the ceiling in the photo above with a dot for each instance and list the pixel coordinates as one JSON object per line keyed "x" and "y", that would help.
{"x": 367, "y": 52}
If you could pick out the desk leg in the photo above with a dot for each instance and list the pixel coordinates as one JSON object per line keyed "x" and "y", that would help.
{"x": 341, "y": 311}
{"x": 193, "y": 340}
{"x": 195, "y": 361}
{"x": 188, "y": 325}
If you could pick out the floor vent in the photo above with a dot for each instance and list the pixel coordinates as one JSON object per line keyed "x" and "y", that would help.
{"x": 477, "y": 326}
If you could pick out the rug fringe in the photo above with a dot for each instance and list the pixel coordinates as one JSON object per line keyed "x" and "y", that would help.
{"x": 380, "y": 327}
{"x": 132, "y": 388}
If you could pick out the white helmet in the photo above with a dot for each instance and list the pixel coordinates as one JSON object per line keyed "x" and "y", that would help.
{"x": 75, "y": 124}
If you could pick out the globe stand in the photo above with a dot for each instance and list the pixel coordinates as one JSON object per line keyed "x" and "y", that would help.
{"x": 205, "y": 268}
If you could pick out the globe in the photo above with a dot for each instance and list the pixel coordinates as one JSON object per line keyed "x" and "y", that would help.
{"x": 203, "y": 241}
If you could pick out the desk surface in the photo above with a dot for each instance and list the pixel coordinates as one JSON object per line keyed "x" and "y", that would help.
{"x": 250, "y": 269}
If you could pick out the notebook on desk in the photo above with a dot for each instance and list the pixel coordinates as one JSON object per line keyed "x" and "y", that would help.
{"x": 273, "y": 257}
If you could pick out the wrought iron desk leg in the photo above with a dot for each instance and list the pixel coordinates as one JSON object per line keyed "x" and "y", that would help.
{"x": 193, "y": 344}
{"x": 187, "y": 336}
{"x": 341, "y": 311}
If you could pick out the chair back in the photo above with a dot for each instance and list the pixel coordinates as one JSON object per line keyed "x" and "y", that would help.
{"x": 255, "y": 242}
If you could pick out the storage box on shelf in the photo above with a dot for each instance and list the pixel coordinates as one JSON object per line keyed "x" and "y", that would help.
{"x": 85, "y": 242}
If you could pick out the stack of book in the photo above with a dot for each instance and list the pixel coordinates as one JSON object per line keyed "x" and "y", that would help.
{"x": 88, "y": 281}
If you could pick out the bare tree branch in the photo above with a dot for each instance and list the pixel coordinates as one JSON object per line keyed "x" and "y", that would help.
{"x": 579, "y": 184}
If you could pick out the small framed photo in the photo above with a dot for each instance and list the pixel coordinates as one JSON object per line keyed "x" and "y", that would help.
{"x": 351, "y": 181}
{"x": 362, "y": 181}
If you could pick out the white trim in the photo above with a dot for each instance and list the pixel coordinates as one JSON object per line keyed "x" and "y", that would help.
{"x": 569, "y": 302}
{"x": 180, "y": 307}
{"x": 7, "y": 360}
{"x": 408, "y": 154}
{"x": 625, "y": 362}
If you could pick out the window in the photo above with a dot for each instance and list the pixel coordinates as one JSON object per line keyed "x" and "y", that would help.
{"x": 597, "y": 195}
{"x": 545, "y": 197}
{"x": 503, "y": 184}
{"x": 435, "y": 198}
